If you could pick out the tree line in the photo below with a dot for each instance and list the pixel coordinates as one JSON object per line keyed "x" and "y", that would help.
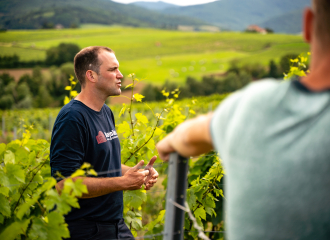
{"x": 55, "y": 56}
{"x": 236, "y": 77}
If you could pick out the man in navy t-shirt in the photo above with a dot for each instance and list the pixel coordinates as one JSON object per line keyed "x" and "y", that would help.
{"x": 84, "y": 131}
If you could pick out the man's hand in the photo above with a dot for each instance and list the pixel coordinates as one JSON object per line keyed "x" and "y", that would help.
{"x": 153, "y": 174}
{"x": 164, "y": 147}
{"x": 133, "y": 178}
{"x": 190, "y": 138}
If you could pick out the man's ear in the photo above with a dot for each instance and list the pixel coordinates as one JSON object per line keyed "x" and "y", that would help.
{"x": 91, "y": 76}
{"x": 308, "y": 25}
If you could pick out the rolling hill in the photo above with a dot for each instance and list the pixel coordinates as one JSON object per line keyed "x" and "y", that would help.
{"x": 34, "y": 14}
{"x": 158, "y": 6}
{"x": 238, "y": 14}
{"x": 286, "y": 23}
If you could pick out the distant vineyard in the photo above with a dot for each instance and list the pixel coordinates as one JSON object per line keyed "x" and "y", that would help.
{"x": 14, "y": 121}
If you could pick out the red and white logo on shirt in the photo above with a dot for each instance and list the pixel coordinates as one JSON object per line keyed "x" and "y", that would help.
{"x": 103, "y": 137}
{"x": 100, "y": 138}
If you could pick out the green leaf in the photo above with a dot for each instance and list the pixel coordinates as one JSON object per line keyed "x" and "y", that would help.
{"x": 26, "y": 206}
{"x": 200, "y": 213}
{"x": 123, "y": 109}
{"x": 15, "y": 229}
{"x": 158, "y": 131}
{"x": 9, "y": 157}
{"x": 141, "y": 118}
{"x": 21, "y": 156}
{"x": 138, "y": 97}
{"x": 137, "y": 224}
{"x": 32, "y": 158}
{"x": 54, "y": 229}
{"x": 57, "y": 228}
{"x": 15, "y": 175}
{"x": 129, "y": 85}
{"x": 2, "y": 218}
{"x": 135, "y": 198}
{"x": 124, "y": 128}
{"x": 151, "y": 145}
{"x": 4, "y": 191}
{"x": 76, "y": 188}
{"x": 4, "y": 206}
{"x": 78, "y": 173}
{"x": 2, "y": 150}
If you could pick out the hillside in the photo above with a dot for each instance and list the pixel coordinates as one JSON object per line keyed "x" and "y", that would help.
{"x": 157, "y": 55}
{"x": 286, "y": 23}
{"x": 34, "y": 14}
{"x": 238, "y": 14}
{"x": 154, "y": 5}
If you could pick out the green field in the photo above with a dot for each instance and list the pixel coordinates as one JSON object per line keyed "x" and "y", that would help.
{"x": 157, "y": 55}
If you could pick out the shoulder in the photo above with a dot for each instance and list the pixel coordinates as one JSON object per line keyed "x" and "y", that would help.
{"x": 72, "y": 111}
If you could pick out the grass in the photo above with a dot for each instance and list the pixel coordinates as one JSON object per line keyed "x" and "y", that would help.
{"x": 157, "y": 54}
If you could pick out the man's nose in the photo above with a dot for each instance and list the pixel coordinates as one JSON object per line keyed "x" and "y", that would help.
{"x": 119, "y": 75}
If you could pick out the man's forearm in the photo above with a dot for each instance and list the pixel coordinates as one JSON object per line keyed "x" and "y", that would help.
{"x": 98, "y": 186}
{"x": 190, "y": 138}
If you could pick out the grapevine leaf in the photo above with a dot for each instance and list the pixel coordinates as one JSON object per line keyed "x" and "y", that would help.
{"x": 123, "y": 109}
{"x": 78, "y": 173}
{"x": 2, "y": 149}
{"x": 138, "y": 97}
{"x": 137, "y": 224}
{"x": 54, "y": 229}
{"x": 15, "y": 229}
{"x": 200, "y": 213}
{"x": 32, "y": 158}
{"x": 158, "y": 131}
{"x": 57, "y": 228}
{"x": 4, "y": 191}
{"x": 159, "y": 219}
{"x": 66, "y": 100}
{"x": 15, "y": 173}
{"x": 135, "y": 198}
{"x": 77, "y": 188}
{"x": 2, "y": 218}
{"x": 4, "y": 206}
{"x": 9, "y": 157}
{"x": 124, "y": 128}
{"x": 141, "y": 118}
{"x": 129, "y": 85}
{"x": 85, "y": 165}
{"x": 151, "y": 145}
{"x": 25, "y": 206}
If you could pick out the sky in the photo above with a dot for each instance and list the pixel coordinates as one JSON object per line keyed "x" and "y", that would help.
{"x": 176, "y": 2}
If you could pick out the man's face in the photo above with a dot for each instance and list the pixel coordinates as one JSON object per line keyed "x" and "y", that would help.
{"x": 109, "y": 78}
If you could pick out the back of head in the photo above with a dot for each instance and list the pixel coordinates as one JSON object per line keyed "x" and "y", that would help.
{"x": 321, "y": 10}
{"x": 87, "y": 59}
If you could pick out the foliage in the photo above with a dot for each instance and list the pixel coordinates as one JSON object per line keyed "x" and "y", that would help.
{"x": 30, "y": 207}
{"x": 298, "y": 66}
{"x": 63, "y": 53}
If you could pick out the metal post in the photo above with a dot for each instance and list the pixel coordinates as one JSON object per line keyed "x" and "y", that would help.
{"x": 176, "y": 192}
{"x": 3, "y": 126}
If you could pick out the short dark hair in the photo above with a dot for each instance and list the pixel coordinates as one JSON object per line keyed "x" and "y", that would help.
{"x": 87, "y": 59}
{"x": 322, "y": 20}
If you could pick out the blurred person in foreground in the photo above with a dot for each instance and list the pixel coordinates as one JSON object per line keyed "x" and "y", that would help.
{"x": 274, "y": 140}
{"x": 84, "y": 131}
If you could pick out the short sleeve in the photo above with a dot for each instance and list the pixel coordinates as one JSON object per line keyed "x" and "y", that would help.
{"x": 221, "y": 120}
{"x": 67, "y": 149}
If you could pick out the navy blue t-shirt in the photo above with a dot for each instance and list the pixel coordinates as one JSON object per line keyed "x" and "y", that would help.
{"x": 80, "y": 135}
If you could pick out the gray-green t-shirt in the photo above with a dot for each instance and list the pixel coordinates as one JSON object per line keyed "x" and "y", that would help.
{"x": 274, "y": 140}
